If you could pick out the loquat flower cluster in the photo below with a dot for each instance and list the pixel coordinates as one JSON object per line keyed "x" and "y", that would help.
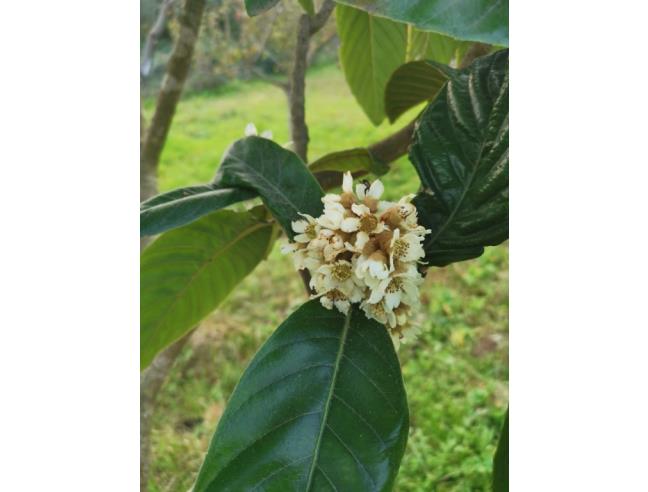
{"x": 364, "y": 250}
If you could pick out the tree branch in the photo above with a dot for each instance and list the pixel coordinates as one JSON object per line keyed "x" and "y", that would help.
{"x": 151, "y": 144}
{"x": 284, "y": 85}
{"x": 169, "y": 95}
{"x": 152, "y": 38}
{"x": 151, "y": 380}
{"x": 307, "y": 26}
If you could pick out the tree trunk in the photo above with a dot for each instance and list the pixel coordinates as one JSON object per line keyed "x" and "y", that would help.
{"x": 152, "y": 142}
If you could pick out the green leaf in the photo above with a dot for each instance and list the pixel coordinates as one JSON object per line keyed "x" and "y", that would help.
{"x": 485, "y": 21}
{"x": 184, "y": 205}
{"x": 411, "y": 84}
{"x": 371, "y": 48}
{"x": 460, "y": 152}
{"x": 187, "y": 272}
{"x": 256, "y": 7}
{"x": 321, "y": 407}
{"x": 308, "y": 6}
{"x": 358, "y": 159}
{"x": 501, "y": 460}
{"x": 284, "y": 182}
{"x": 436, "y": 47}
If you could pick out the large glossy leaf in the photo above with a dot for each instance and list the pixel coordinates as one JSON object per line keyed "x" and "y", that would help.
{"x": 501, "y": 460}
{"x": 321, "y": 407}
{"x": 460, "y": 151}
{"x": 353, "y": 160}
{"x": 187, "y": 272}
{"x": 371, "y": 48}
{"x": 485, "y": 21}
{"x": 284, "y": 182}
{"x": 256, "y": 7}
{"x": 411, "y": 84}
{"x": 184, "y": 205}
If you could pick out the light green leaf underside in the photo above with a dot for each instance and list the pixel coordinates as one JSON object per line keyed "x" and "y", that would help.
{"x": 411, "y": 84}
{"x": 187, "y": 272}
{"x": 484, "y": 21}
{"x": 371, "y": 48}
{"x": 321, "y": 407}
{"x": 436, "y": 47}
{"x": 353, "y": 160}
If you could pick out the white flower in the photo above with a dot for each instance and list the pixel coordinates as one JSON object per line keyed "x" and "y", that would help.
{"x": 375, "y": 191}
{"x": 375, "y": 265}
{"x": 394, "y": 289}
{"x": 364, "y": 251}
{"x": 332, "y": 216}
{"x": 337, "y": 276}
{"x": 379, "y": 312}
{"x": 405, "y": 248}
{"x": 307, "y": 229}
{"x": 251, "y": 131}
{"x": 337, "y": 299}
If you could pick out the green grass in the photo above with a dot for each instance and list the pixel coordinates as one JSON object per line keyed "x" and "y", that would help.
{"x": 456, "y": 372}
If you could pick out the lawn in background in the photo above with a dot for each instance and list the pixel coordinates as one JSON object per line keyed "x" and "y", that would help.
{"x": 455, "y": 373}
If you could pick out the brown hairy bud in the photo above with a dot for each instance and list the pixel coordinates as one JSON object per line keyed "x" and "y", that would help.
{"x": 392, "y": 217}
{"x": 369, "y": 248}
{"x": 347, "y": 199}
{"x": 384, "y": 238}
{"x": 371, "y": 203}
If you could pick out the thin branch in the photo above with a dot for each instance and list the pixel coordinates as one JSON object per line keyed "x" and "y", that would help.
{"x": 172, "y": 85}
{"x": 307, "y": 26}
{"x": 151, "y": 380}
{"x": 280, "y": 83}
{"x": 319, "y": 19}
{"x": 153, "y": 36}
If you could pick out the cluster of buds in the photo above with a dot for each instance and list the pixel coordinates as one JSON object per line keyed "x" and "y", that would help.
{"x": 364, "y": 250}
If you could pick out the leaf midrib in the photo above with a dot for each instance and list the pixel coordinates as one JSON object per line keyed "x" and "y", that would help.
{"x": 329, "y": 399}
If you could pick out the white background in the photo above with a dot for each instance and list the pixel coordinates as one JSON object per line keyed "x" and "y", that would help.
{"x": 69, "y": 379}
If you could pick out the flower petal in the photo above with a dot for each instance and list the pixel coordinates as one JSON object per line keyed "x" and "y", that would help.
{"x": 376, "y": 189}
{"x": 347, "y": 182}
{"x": 350, "y": 224}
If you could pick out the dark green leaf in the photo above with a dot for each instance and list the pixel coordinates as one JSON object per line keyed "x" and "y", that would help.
{"x": 358, "y": 159}
{"x": 485, "y": 21}
{"x": 321, "y": 407}
{"x": 501, "y": 460}
{"x": 284, "y": 182}
{"x": 256, "y": 7}
{"x": 411, "y": 84}
{"x": 184, "y": 205}
{"x": 187, "y": 272}
{"x": 308, "y": 6}
{"x": 460, "y": 151}
{"x": 371, "y": 48}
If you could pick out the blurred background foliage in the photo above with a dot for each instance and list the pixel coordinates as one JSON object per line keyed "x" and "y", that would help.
{"x": 456, "y": 373}
{"x": 232, "y": 46}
